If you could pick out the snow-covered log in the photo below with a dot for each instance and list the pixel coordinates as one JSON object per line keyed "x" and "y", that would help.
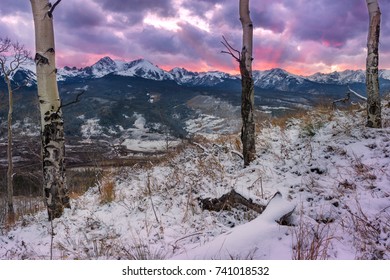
{"x": 252, "y": 237}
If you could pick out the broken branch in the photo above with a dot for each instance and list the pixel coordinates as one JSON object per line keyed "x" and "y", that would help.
{"x": 50, "y": 12}
{"x": 357, "y": 94}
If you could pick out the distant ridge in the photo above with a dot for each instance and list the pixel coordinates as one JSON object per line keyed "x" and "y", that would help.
{"x": 268, "y": 79}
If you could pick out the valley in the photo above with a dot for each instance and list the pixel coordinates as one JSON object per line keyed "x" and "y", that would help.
{"x": 131, "y": 112}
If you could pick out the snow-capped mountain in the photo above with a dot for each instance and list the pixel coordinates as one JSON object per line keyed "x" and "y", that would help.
{"x": 211, "y": 78}
{"x": 102, "y": 68}
{"x": 345, "y": 77}
{"x": 384, "y": 74}
{"x": 276, "y": 78}
{"x": 23, "y": 75}
{"x": 144, "y": 69}
{"x": 339, "y": 78}
{"x": 182, "y": 76}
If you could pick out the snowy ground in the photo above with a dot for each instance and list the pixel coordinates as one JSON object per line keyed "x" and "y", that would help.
{"x": 136, "y": 139}
{"x": 331, "y": 170}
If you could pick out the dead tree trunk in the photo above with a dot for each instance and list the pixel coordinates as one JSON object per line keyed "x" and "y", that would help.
{"x": 5, "y": 46}
{"x": 247, "y": 97}
{"x": 374, "y": 118}
{"x": 10, "y": 170}
{"x": 52, "y": 124}
{"x": 244, "y": 59}
{"x": 12, "y": 55}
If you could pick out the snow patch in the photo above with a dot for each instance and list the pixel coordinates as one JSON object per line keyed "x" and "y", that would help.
{"x": 91, "y": 128}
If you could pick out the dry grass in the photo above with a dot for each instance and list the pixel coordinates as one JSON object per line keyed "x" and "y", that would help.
{"x": 107, "y": 191}
{"x": 367, "y": 231}
{"x": 311, "y": 240}
{"x": 321, "y": 113}
{"x": 24, "y": 206}
{"x": 80, "y": 180}
{"x": 141, "y": 250}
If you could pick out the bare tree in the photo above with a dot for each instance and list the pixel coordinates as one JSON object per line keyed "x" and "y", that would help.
{"x": 52, "y": 124}
{"x": 374, "y": 118}
{"x": 245, "y": 59}
{"x": 12, "y": 56}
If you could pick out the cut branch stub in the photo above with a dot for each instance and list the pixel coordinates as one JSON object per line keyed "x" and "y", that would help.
{"x": 40, "y": 59}
{"x": 52, "y": 7}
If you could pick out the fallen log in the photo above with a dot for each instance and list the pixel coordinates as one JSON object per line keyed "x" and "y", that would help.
{"x": 277, "y": 208}
{"x": 228, "y": 201}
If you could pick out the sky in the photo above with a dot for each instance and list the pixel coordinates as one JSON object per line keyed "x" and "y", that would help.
{"x": 300, "y": 36}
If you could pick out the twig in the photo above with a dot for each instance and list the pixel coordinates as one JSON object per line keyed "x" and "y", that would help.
{"x": 200, "y": 146}
{"x": 237, "y": 153}
{"x": 342, "y": 99}
{"x": 20, "y": 86}
{"x": 72, "y": 102}
{"x": 230, "y": 49}
{"x": 186, "y": 236}
{"x": 51, "y": 238}
{"x": 151, "y": 200}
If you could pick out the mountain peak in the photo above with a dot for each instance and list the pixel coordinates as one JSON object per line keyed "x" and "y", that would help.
{"x": 105, "y": 61}
{"x": 101, "y": 68}
{"x": 145, "y": 69}
{"x": 140, "y": 62}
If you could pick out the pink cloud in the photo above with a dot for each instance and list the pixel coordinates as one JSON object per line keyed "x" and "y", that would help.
{"x": 298, "y": 35}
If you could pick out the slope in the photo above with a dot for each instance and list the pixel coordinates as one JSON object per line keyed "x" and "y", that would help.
{"x": 324, "y": 163}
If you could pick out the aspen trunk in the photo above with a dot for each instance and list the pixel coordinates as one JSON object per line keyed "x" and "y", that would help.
{"x": 52, "y": 129}
{"x": 247, "y": 97}
{"x": 10, "y": 170}
{"x": 372, "y": 82}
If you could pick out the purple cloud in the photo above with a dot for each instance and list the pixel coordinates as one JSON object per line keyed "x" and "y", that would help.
{"x": 303, "y": 35}
{"x": 135, "y": 10}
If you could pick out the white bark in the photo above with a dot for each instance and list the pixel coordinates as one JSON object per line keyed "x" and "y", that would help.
{"x": 52, "y": 130}
{"x": 247, "y": 35}
{"x": 372, "y": 81}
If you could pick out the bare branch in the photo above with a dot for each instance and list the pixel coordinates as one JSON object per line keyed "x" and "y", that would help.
{"x": 231, "y": 50}
{"x": 50, "y": 12}
{"x": 12, "y": 56}
{"x": 5, "y": 44}
{"x": 343, "y": 100}
{"x": 21, "y": 55}
{"x": 72, "y": 102}
{"x": 348, "y": 97}
{"x": 20, "y": 86}
{"x": 357, "y": 94}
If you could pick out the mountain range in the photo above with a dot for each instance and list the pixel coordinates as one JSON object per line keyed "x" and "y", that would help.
{"x": 128, "y": 108}
{"x": 276, "y": 78}
{"x": 119, "y": 96}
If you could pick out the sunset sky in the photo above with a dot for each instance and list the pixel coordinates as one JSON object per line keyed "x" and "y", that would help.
{"x": 301, "y": 36}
